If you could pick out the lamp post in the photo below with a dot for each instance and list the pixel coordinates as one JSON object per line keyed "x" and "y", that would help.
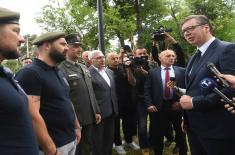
{"x": 100, "y": 26}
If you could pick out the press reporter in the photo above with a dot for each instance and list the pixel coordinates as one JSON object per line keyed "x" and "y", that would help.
{"x": 169, "y": 42}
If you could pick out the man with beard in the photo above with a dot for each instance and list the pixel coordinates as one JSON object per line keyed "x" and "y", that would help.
{"x": 53, "y": 116}
{"x": 16, "y": 129}
{"x": 81, "y": 93}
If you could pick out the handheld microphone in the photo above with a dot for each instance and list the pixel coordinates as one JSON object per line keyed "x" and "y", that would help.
{"x": 210, "y": 84}
{"x": 216, "y": 72}
{"x": 179, "y": 91}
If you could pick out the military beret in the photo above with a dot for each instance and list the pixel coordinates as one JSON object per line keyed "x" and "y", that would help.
{"x": 73, "y": 39}
{"x": 46, "y": 37}
{"x": 8, "y": 16}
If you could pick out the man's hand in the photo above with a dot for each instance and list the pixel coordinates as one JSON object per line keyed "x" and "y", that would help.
{"x": 229, "y": 78}
{"x": 141, "y": 70}
{"x": 78, "y": 134}
{"x": 186, "y": 102}
{"x": 169, "y": 38}
{"x": 176, "y": 106}
{"x": 230, "y": 108}
{"x": 152, "y": 109}
{"x": 98, "y": 118}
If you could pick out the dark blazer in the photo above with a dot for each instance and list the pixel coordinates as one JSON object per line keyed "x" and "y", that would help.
{"x": 105, "y": 95}
{"x": 209, "y": 118}
{"x": 153, "y": 91}
{"x": 81, "y": 91}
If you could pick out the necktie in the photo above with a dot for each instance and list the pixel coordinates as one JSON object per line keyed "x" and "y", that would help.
{"x": 167, "y": 79}
{"x": 197, "y": 57}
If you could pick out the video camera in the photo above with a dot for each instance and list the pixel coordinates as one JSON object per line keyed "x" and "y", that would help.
{"x": 159, "y": 35}
{"x": 137, "y": 62}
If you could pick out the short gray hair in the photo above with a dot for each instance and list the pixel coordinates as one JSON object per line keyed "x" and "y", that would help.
{"x": 92, "y": 53}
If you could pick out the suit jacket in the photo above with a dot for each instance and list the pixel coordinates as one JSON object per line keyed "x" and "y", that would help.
{"x": 153, "y": 91}
{"x": 105, "y": 94}
{"x": 81, "y": 91}
{"x": 208, "y": 117}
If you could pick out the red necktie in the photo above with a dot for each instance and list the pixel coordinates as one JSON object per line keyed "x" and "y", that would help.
{"x": 167, "y": 79}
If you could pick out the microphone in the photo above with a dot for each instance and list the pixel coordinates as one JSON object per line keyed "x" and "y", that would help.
{"x": 216, "y": 72}
{"x": 210, "y": 85}
{"x": 179, "y": 91}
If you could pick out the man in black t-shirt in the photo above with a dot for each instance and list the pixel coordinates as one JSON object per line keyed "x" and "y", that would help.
{"x": 16, "y": 129}
{"x": 48, "y": 93}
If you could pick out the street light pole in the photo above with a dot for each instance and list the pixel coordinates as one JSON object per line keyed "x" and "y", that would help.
{"x": 100, "y": 26}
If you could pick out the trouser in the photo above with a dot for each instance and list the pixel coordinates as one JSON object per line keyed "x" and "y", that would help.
{"x": 142, "y": 115}
{"x": 129, "y": 125}
{"x": 85, "y": 145}
{"x": 158, "y": 125}
{"x": 103, "y": 137}
{"x": 210, "y": 146}
{"x": 67, "y": 149}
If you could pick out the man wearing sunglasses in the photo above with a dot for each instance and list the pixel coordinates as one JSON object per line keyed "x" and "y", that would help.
{"x": 210, "y": 127}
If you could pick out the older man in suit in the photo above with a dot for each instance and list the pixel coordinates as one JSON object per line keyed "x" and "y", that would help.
{"x": 210, "y": 127}
{"x": 162, "y": 102}
{"x": 105, "y": 93}
{"x": 81, "y": 93}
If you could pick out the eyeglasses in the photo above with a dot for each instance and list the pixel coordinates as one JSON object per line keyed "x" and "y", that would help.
{"x": 190, "y": 28}
{"x": 100, "y": 57}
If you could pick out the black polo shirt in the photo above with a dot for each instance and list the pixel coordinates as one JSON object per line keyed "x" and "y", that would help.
{"x": 16, "y": 129}
{"x": 42, "y": 80}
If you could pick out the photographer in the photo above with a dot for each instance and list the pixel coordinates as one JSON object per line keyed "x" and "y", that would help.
{"x": 161, "y": 39}
{"x": 140, "y": 72}
{"x": 124, "y": 80}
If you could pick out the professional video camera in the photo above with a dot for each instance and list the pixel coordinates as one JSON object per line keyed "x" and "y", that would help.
{"x": 137, "y": 62}
{"x": 159, "y": 35}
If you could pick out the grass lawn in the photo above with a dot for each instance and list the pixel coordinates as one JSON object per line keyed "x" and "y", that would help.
{"x": 167, "y": 150}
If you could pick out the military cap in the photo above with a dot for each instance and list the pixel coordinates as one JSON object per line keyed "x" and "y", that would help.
{"x": 46, "y": 37}
{"x": 73, "y": 39}
{"x": 8, "y": 16}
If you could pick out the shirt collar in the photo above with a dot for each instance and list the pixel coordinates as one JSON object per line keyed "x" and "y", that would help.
{"x": 43, "y": 64}
{"x": 72, "y": 62}
{"x": 99, "y": 70}
{"x": 204, "y": 47}
{"x": 163, "y": 67}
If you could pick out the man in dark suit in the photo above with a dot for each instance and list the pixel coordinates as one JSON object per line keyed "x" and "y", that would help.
{"x": 210, "y": 127}
{"x": 105, "y": 93}
{"x": 162, "y": 102}
{"x": 81, "y": 93}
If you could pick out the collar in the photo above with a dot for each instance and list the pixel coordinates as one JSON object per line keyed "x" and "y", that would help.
{"x": 205, "y": 46}
{"x": 70, "y": 61}
{"x": 98, "y": 70}
{"x": 43, "y": 65}
{"x": 163, "y": 67}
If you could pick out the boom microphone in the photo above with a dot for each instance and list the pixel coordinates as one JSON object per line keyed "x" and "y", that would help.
{"x": 210, "y": 85}
{"x": 216, "y": 72}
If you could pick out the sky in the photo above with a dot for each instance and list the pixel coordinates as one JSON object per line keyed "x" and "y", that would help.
{"x": 28, "y": 10}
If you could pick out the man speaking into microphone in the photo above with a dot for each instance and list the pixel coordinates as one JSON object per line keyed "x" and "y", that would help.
{"x": 211, "y": 129}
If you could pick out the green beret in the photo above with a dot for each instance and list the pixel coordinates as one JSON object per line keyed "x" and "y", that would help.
{"x": 46, "y": 37}
{"x": 73, "y": 39}
{"x": 8, "y": 16}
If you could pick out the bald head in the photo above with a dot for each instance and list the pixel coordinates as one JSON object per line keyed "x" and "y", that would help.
{"x": 112, "y": 59}
{"x": 167, "y": 58}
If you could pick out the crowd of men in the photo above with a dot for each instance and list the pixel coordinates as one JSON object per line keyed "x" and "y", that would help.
{"x": 66, "y": 102}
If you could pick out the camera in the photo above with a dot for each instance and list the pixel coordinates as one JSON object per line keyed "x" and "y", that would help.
{"x": 127, "y": 49}
{"x": 159, "y": 35}
{"x": 137, "y": 62}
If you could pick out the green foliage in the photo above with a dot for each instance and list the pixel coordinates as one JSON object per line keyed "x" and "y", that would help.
{"x": 124, "y": 19}
{"x": 14, "y": 65}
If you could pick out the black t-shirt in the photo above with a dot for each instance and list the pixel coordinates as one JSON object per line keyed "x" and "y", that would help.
{"x": 16, "y": 130}
{"x": 123, "y": 88}
{"x": 39, "y": 79}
